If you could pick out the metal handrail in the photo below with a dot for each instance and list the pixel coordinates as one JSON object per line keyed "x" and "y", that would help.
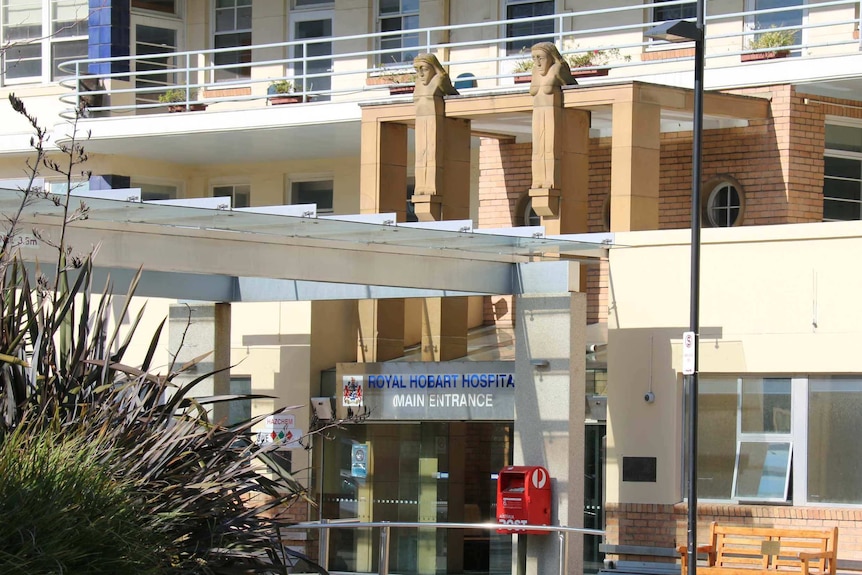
{"x": 194, "y": 70}
{"x": 385, "y": 527}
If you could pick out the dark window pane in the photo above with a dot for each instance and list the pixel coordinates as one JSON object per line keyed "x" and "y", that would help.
{"x": 23, "y": 60}
{"x": 390, "y": 6}
{"x": 518, "y": 29}
{"x": 168, "y": 6}
{"x": 847, "y": 138}
{"x": 840, "y": 210}
{"x": 67, "y": 51}
{"x": 841, "y": 189}
{"x": 842, "y": 168}
{"x": 679, "y": 12}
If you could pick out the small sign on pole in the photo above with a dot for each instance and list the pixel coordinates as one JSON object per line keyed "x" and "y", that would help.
{"x": 689, "y": 349}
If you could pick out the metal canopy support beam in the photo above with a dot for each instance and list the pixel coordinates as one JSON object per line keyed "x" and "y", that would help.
{"x": 529, "y": 278}
{"x": 208, "y": 252}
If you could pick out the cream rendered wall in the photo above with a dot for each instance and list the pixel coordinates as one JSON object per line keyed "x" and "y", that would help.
{"x": 774, "y": 300}
{"x": 352, "y": 17}
{"x": 271, "y": 343}
{"x": 473, "y": 12}
{"x": 42, "y": 101}
{"x": 268, "y": 180}
{"x": 828, "y": 34}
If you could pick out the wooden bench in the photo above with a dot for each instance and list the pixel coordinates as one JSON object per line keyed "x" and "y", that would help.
{"x": 739, "y": 550}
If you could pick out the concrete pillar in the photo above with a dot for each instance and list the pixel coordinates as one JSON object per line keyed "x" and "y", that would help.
{"x": 456, "y": 172}
{"x": 635, "y": 159}
{"x": 549, "y": 416}
{"x": 444, "y": 328}
{"x": 381, "y": 329}
{"x": 382, "y": 188}
{"x": 383, "y": 168}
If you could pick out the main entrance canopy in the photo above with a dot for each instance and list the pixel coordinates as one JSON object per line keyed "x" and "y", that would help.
{"x": 232, "y": 256}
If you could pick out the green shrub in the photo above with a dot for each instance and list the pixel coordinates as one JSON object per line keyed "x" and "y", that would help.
{"x": 104, "y": 467}
{"x": 65, "y": 510}
{"x": 772, "y": 39}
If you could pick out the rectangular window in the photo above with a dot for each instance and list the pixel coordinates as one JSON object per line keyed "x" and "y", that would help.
{"x": 318, "y": 192}
{"x": 716, "y": 432}
{"x": 300, "y": 4}
{"x": 522, "y": 35}
{"x": 26, "y": 41}
{"x": 661, "y": 12}
{"x": 232, "y": 30}
{"x": 20, "y": 36}
{"x": 165, "y": 6}
{"x": 69, "y": 28}
{"x": 782, "y": 19}
{"x": 399, "y": 17}
{"x": 762, "y": 471}
{"x": 240, "y": 194}
{"x": 155, "y": 191}
{"x": 239, "y": 410}
{"x": 842, "y": 173}
{"x": 744, "y": 438}
{"x": 834, "y": 451}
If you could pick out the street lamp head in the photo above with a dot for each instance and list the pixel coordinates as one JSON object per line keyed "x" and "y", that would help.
{"x": 676, "y": 31}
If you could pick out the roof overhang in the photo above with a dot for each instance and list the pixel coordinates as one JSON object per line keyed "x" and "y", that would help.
{"x": 223, "y": 255}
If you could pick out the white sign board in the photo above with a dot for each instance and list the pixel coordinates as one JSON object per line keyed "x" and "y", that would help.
{"x": 688, "y": 352}
{"x": 281, "y": 430}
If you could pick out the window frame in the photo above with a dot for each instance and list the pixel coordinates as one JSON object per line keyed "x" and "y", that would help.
{"x": 751, "y": 22}
{"x": 138, "y": 183}
{"x": 238, "y": 71}
{"x": 47, "y": 40}
{"x": 389, "y": 59}
{"x": 797, "y": 486}
{"x": 711, "y": 192}
{"x": 841, "y": 154}
{"x": 654, "y": 4}
{"x": 654, "y": 44}
{"x": 233, "y": 184}
{"x": 290, "y": 192}
{"x": 507, "y": 48}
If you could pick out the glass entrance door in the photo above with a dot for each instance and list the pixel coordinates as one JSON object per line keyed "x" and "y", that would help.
{"x": 418, "y": 472}
{"x": 312, "y": 75}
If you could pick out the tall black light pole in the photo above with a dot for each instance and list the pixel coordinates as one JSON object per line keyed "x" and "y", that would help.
{"x": 687, "y": 31}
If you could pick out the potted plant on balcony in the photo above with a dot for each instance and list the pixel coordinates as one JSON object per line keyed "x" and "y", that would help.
{"x": 593, "y": 62}
{"x": 399, "y": 80}
{"x": 769, "y": 45}
{"x": 523, "y": 69}
{"x": 281, "y": 92}
{"x": 176, "y": 100}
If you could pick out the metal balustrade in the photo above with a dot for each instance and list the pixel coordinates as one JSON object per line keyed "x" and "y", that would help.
{"x": 359, "y": 70}
{"x": 385, "y": 527}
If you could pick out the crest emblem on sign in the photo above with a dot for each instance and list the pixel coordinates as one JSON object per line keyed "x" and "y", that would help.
{"x": 352, "y": 391}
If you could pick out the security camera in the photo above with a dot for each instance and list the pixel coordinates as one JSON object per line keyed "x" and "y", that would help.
{"x": 649, "y": 397}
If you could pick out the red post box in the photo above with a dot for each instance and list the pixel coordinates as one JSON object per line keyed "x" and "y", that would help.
{"x": 524, "y": 498}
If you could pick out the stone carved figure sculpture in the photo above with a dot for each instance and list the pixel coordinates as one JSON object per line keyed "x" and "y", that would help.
{"x": 550, "y": 73}
{"x": 432, "y": 83}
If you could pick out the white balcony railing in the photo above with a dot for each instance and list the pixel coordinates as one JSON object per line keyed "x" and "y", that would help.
{"x": 354, "y": 68}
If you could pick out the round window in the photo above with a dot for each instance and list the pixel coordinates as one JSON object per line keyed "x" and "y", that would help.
{"x": 724, "y": 205}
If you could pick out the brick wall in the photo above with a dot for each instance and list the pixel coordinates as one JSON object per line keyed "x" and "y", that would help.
{"x": 777, "y": 163}
{"x": 667, "y": 525}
